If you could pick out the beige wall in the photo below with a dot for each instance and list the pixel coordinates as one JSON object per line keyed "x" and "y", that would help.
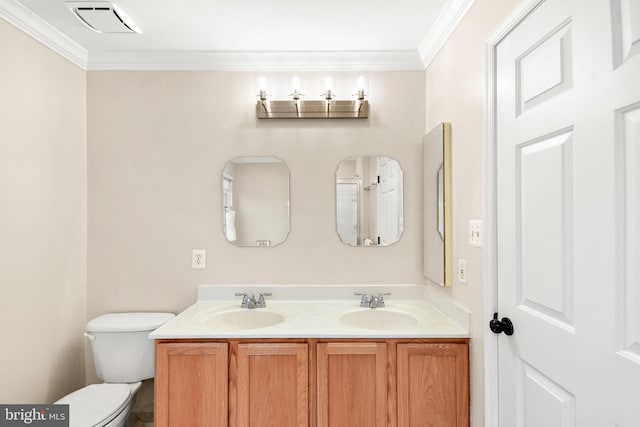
{"x": 42, "y": 221}
{"x": 455, "y": 83}
{"x": 157, "y": 145}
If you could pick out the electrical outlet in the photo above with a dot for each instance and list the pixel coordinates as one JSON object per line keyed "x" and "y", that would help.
{"x": 462, "y": 271}
{"x": 198, "y": 258}
{"x": 475, "y": 233}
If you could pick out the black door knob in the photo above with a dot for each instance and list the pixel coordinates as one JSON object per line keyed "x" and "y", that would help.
{"x": 499, "y": 326}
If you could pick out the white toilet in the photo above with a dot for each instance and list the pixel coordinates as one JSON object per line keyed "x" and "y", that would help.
{"x": 124, "y": 356}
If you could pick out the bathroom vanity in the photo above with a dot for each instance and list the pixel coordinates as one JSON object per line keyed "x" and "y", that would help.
{"x": 305, "y": 361}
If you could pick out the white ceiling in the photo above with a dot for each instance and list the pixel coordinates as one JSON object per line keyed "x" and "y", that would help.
{"x": 249, "y": 34}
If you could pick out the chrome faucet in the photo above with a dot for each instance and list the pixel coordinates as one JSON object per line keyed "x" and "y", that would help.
{"x": 261, "y": 303}
{"x": 378, "y": 300}
{"x": 250, "y": 301}
{"x": 247, "y": 302}
{"x": 364, "y": 302}
{"x": 375, "y": 301}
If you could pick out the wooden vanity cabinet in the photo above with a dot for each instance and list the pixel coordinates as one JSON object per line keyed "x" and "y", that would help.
{"x": 221, "y": 384}
{"x": 433, "y": 384}
{"x": 191, "y": 384}
{"x": 270, "y": 384}
{"x": 393, "y": 384}
{"x": 352, "y": 384}
{"x": 312, "y": 383}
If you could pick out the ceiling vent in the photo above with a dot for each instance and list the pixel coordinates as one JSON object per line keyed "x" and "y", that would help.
{"x": 103, "y": 17}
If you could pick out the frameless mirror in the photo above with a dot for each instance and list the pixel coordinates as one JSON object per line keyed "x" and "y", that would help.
{"x": 436, "y": 169}
{"x": 255, "y": 201}
{"x": 369, "y": 201}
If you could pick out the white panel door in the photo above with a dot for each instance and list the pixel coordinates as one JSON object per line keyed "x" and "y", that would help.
{"x": 389, "y": 201}
{"x": 347, "y": 212}
{"x": 567, "y": 204}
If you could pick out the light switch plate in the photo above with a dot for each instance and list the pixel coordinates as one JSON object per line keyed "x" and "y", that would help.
{"x": 475, "y": 233}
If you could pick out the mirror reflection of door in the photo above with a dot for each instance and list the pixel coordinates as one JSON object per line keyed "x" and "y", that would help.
{"x": 348, "y": 206}
{"x": 369, "y": 201}
{"x": 228, "y": 217}
{"x": 389, "y": 201}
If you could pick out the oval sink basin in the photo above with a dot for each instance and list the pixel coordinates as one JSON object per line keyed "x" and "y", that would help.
{"x": 239, "y": 319}
{"x": 378, "y": 319}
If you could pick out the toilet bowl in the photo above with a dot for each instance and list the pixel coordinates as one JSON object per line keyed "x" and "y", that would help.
{"x": 123, "y": 356}
{"x": 99, "y": 405}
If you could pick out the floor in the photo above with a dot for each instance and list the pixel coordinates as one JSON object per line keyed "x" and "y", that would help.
{"x": 142, "y": 411}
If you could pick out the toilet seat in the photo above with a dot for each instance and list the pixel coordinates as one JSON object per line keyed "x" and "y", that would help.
{"x": 97, "y": 404}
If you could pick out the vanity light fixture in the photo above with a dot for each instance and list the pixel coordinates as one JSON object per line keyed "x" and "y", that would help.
{"x": 327, "y": 108}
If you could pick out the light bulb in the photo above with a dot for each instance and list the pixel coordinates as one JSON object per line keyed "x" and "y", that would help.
{"x": 295, "y": 82}
{"x": 328, "y": 84}
{"x": 361, "y": 86}
{"x": 362, "y": 82}
{"x": 262, "y": 84}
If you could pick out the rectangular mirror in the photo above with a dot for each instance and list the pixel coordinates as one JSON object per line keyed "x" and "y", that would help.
{"x": 369, "y": 201}
{"x": 255, "y": 201}
{"x": 436, "y": 170}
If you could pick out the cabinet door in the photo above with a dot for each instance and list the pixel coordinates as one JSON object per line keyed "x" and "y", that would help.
{"x": 272, "y": 385}
{"x": 433, "y": 385}
{"x": 352, "y": 385}
{"x": 191, "y": 383}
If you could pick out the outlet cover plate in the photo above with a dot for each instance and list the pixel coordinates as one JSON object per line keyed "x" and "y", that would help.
{"x": 462, "y": 271}
{"x": 198, "y": 258}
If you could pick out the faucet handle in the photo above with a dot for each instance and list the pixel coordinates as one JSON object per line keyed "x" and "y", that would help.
{"x": 261, "y": 303}
{"x": 364, "y": 302}
{"x": 245, "y": 299}
{"x": 381, "y": 296}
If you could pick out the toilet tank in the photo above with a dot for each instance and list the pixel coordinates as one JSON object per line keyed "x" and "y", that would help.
{"x": 122, "y": 350}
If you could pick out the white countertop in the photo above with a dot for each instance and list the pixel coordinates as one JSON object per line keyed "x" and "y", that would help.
{"x": 312, "y": 311}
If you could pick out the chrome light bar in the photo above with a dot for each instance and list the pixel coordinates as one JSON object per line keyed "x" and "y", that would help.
{"x": 317, "y": 109}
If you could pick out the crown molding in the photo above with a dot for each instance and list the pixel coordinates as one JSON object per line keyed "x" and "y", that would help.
{"x": 31, "y": 24}
{"x": 255, "y": 61}
{"x": 447, "y": 21}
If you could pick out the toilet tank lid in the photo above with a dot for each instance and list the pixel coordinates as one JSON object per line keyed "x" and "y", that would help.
{"x": 128, "y": 322}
